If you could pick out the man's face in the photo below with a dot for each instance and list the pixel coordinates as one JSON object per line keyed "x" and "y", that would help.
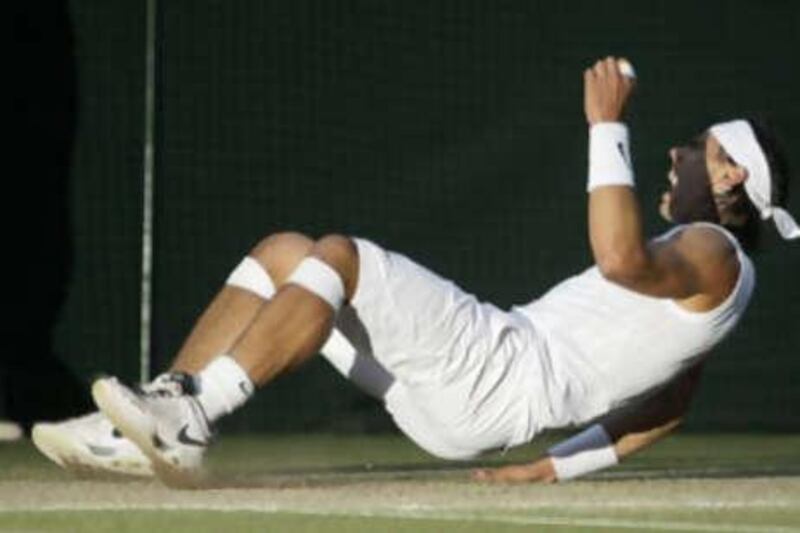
{"x": 701, "y": 155}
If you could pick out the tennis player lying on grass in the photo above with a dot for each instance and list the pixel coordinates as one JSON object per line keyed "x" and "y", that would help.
{"x": 618, "y": 348}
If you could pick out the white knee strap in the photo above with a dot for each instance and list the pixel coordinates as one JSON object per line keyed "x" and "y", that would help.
{"x": 251, "y": 276}
{"x": 321, "y": 279}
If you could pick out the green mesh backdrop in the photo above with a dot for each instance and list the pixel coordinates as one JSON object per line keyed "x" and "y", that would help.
{"x": 452, "y": 131}
{"x": 73, "y": 212}
{"x": 99, "y": 326}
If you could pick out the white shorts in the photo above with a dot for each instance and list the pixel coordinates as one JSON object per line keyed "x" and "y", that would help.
{"x": 466, "y": 374}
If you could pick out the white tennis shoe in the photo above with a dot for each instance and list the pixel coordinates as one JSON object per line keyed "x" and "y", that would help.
{"x": 90, "y": 445}
{"x": 164, "y": 420}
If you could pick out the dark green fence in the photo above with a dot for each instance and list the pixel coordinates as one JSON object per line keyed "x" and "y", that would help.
{"x": 452, "y": 131}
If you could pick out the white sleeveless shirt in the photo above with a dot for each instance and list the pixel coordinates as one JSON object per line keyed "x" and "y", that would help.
{"x": 604, "y": 345}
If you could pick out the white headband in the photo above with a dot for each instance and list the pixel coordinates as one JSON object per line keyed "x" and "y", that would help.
{"x": 739, "y": 140}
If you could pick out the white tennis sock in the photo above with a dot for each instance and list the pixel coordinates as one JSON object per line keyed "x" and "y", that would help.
{"x": 223, "y": 386}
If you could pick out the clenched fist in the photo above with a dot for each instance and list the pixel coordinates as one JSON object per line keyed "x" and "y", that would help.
{"x": 606, "y": 91}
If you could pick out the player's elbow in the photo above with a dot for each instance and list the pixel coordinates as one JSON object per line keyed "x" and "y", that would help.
{"x": 623, "y": 267}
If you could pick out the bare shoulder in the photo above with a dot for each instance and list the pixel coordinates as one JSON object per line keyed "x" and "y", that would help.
{"x": 705, "y": 241}
{"x": 691, "y": 261}
{"x": 713, "y": 258}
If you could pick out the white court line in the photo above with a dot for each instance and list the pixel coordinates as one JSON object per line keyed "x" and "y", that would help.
{"x": 415, "y": 513}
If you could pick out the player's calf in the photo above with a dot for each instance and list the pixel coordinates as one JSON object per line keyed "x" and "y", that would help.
{"x": 169, "y": 420}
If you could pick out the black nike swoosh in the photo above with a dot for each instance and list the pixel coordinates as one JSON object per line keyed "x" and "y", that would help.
{"x": 184, "y": 438}
{"x": 621, "y": 148}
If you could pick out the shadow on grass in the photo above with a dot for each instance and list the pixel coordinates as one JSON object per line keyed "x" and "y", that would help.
{"x": 341, "y": 476}
{"x": 458, "y": 473}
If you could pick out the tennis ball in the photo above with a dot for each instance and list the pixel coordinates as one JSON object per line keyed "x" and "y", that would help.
{"x": 625, "y": 68}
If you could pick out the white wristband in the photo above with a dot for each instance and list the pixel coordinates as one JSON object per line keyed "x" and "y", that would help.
{"x": 609, "y": 156}
{"x": 586, "y": 452}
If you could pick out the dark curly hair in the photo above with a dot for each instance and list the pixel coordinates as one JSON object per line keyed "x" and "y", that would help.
{"x": 749, "y": 232}
{"x": 776, "y": 158}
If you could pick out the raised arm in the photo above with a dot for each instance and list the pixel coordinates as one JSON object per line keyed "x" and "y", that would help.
{"x": 681, "y": 268}
{"x": 621, "y": 434}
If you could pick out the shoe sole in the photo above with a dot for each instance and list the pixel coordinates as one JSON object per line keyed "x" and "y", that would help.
{"x": 59, "y": 448}
{"x": 120, "y": 411}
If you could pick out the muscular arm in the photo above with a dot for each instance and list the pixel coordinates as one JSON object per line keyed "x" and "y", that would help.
{"x": 637, "y": 427}
{"x": 631, "y": 429}
{"x": 695, "y": 263}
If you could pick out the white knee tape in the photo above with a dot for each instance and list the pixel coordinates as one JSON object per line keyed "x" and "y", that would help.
{"x": 321, "y": 279}
{"x": 251, "y": 276}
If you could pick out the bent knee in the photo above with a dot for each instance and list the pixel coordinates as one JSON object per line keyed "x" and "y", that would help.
{"x": 341, "y": 253}
{"x": 280, "y": 253}
{"x": 285, "y": 241}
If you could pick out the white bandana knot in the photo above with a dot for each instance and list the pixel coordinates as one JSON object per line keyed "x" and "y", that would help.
{"x": 739, "y": 140}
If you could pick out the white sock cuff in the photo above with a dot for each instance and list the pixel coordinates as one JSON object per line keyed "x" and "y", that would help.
{"x": 251, "y": 276}
{"x": 223, "y": 387}
{"x": 320, "y": 278}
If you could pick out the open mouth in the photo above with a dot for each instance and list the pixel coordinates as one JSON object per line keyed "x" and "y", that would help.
{"x": 664, "y": 205}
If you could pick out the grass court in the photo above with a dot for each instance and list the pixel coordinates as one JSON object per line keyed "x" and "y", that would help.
{"x": 344, "y": 483}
